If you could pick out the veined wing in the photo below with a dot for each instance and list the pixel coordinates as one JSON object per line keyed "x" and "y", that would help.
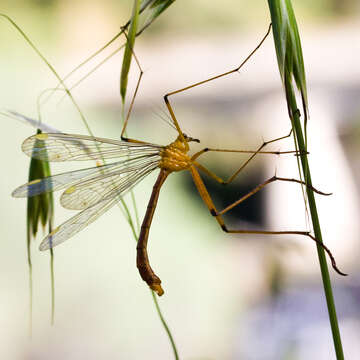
{"x": 61, "y": 181}
{"x": 87, "y": 193}
{"x": 92, "y": 212}
{"x": 68, "y": 147}
{"x": 76, "y": 223}
{"x": 67, "y": 179}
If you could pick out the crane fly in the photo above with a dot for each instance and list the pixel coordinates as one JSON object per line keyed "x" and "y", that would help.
{"x": 95, "y": 190}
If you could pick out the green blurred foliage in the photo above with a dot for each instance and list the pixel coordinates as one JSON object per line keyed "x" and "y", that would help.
{"x": 185, "y": 15}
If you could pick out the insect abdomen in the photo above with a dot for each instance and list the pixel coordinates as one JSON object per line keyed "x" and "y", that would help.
{"x": 142, "y": 260}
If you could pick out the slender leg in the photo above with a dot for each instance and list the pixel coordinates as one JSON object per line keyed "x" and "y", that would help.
{"x": 218, "y": 214}
{"x": 254, "y": 153}
{"x": 123, "y": 138}
{"x": 167, "y": 102}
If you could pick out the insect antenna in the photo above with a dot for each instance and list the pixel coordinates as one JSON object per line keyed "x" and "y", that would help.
{"x": 162, "y": 115}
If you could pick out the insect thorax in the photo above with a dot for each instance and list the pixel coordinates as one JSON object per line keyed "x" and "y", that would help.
{"x": 174, "y": 157}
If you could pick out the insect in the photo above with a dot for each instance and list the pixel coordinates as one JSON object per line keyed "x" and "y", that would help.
{"x": 96, "y": 189}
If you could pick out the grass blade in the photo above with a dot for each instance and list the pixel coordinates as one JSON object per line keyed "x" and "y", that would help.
{"x": 125, "y": 68}
{"x": 156, "y": 8}
{"x": 39, "y": 211}
{"x": 291, "y": 67}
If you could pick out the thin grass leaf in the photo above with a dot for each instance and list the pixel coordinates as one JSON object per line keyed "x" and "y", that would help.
{"x": 150, "y": 10}
{"x": 37, "y": 124}
{"x": 156, "y": 8}
{"x": 39, "y": 209}
{"x": 291, "y": 67}
{"x": 39, "y": 212}
{"x": 40, "y": 206}
{"x": 125, "y": 68}
{"x": 288, "y": 47}
{"x": 51, "y": 68}
{"x": 144, "y": 5}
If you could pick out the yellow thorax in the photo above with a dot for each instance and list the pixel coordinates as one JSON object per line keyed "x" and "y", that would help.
{"x": 174, "y": 156}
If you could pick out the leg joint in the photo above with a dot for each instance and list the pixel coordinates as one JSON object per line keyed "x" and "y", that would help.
{"x": 224, "y": 228}
{"x": 213, "y": 212}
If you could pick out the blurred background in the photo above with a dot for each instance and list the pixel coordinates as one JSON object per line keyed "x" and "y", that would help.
{"x": 226, "y": 296}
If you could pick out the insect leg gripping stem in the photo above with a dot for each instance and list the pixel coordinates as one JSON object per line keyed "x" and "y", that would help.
{"x": 218, "y": 214}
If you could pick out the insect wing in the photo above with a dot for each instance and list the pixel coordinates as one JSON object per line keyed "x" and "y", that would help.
{"x": 61, "y": 181}
{"x": 118, "y": 182}
{"x": 93, "y": 190}
{"x": 67, "y": 147}
{"x": 76, "y": 224}
{"x": 92, "y": 212}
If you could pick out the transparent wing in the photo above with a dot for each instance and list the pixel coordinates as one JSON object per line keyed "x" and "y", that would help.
{"x": 76, "y": 223}
{"x": 61, "y": 181}
{"x": 67, "y": 179}
{"x": 88, "y": 193}
{"x": 67, "y": 147}
{"x": 92, "y": 212}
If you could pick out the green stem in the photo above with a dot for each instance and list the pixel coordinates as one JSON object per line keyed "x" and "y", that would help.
{"x": 28, "y": 247}
{"x": 295, "y": 117}
{"x": 52, "y": 69}
{"x": 52, "y": 279}
{"x": 173, "y": 345}
{"x": 52, "y": 255}
{"x": 97, "y": 52}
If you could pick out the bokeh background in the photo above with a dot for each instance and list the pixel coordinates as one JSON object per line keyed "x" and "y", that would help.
{"x": 226, "y": 297}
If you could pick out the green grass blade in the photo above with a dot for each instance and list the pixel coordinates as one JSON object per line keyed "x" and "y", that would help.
{"x": 291, "y": 67}
{"x": 165, "y": 325}
{"x": 125, "y": 68}
{"x": 150, "y": 10}
{"x": 144, "y": 5}
{"x": 288, "y": 47}
{"x": 156, "y": 8}
{"x": 39, "y": 211}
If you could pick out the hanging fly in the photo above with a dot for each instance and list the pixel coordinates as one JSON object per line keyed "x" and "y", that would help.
{"x": 95, "y": 190}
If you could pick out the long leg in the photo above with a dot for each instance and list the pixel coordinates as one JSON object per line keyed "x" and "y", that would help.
{"x": 218, "y": 214}
{"x": 166, "y": 97}
{"x": 254, "y": 153}
{"x": 124, "y": 138}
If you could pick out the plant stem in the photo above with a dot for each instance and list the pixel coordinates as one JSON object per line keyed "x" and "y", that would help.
{"x": 295, "y": 117}
{"x": 166, "y": 327}
{"x": 28, "y": 247}
{"x": 52, "y": 280}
